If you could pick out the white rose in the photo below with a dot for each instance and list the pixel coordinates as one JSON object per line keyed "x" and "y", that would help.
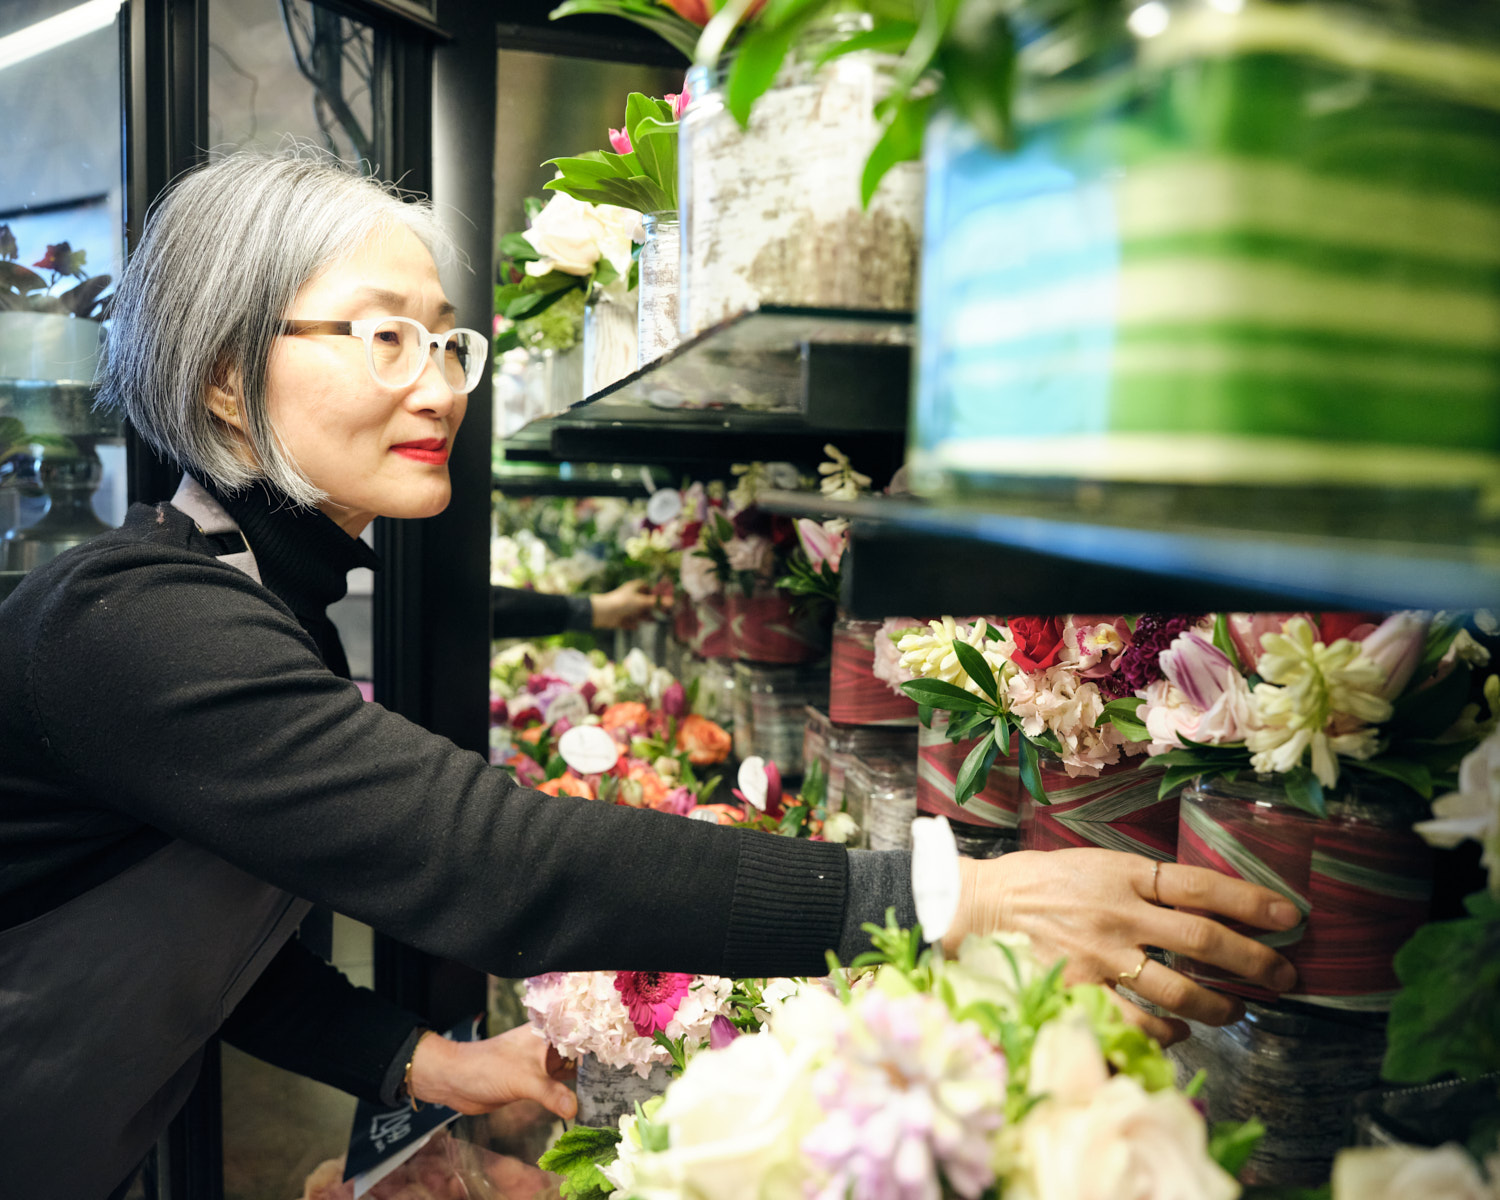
{"x": 1399, "y": 1172}
{"x": 572, "y": 236}
{"x": 618, "y": 228}
{"x": 736, "y": 1116}
{"x": 1066, "y": 1062}
{"x": 637, "y": 667}
{"x": 1125, "y": 1142}
{"x": 1474, "y": 810}
{"x": 840, "y": 827}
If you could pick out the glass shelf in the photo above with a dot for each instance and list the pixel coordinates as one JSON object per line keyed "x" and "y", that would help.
{"x": 911, "y": 557}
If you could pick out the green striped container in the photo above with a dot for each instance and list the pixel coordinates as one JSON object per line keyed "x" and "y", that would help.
{"x": 1256, "y": 249}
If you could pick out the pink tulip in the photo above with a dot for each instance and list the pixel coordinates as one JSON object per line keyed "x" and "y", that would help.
{"x": 696, "y": 11}
{"x": 679, "y": 102}
{"x": 820, "y": 545}
{"x": 620, "y": 140}
{"x": 674, "y": 700}
{"x": 721, "y": 1032}
{"x": 1197, "y": 667}
{"x": 1397, "y": 645}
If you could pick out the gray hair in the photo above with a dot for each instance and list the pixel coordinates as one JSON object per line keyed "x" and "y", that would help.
{"x": 225, "y": 253}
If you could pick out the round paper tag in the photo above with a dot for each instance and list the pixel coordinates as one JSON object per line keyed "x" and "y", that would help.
{"x": 588, "y": 750}
{"x": 573, "y": 666}
{"x": 637, "y": 667}
{"x": 570, "y": 705}
{"x": 753, "y": 782}
{"x": 665, "y": 505}
{"x": 934, "y": 875}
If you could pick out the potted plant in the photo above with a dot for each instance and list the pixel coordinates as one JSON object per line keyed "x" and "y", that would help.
{"x": 46, "y": 334}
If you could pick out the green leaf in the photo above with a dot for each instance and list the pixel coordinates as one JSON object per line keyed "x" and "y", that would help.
{"x": 888, "y": 37}
{"x": 978, "y": 61}
{"x": 977, "y": 669}
{"x": 906, "y": 123}
{"x": 1224, "y": 643}
{"x": 1304, "y": 792}
{"x": 1440, "y": 635}
{"x": 947, "y": 696}
{"x": 1122, "y": 715}
{"x": 655, "y": 144}
{"x": 515, "y": 246}
{"x": 975, "y": 772}
{"x": 1231, "y": 1143}
{"x": 577, "y": 1156}
{"x": 1031, "y": 770}
{"x": 1430, "y": 712}
{"x": 22, "y": 279}
{"x": 1413, "y": 774}
{"x": 763, "y": 49}
{"x": 678, "y": 32}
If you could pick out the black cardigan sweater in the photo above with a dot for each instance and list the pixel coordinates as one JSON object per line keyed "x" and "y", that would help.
{"x": 149, "y": 692}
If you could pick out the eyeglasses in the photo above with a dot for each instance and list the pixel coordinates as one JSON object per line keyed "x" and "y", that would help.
{"x": 396, "y": 349}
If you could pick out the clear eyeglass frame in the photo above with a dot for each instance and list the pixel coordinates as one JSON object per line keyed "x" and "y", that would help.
{"x": 473, "y": 363}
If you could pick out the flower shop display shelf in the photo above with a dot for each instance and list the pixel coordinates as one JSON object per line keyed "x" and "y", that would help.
{"x": 624, "y": 480}
{"x": 1057, "y": 558}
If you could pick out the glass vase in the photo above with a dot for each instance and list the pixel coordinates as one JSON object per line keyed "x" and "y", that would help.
{"x": 772, "y": 214}
{"x": 1119, "y": 809}
{"x": 1360, "y": 875}
{"x": 1231, "y": 272}
{"x": 609, "y": 323}
{"x": 657, "y": 292}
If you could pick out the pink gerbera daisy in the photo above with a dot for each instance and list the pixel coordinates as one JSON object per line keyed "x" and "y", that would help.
{"x": 651, "y": 997}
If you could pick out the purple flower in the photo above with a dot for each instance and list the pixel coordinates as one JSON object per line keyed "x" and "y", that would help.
{"x": 1137, "y": 666}
{"x": 674, "y": 700}
{"x": 721, "y": 1033}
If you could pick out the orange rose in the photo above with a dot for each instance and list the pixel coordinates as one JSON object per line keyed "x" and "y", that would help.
{"x": 719, "y": 814}
{"x": 704, "y": 741}
{"x": 533, "y": 735}
{"x": 653, "y": 787}
{"x": 567, "y": 784}
{"x": 624, "y": 715}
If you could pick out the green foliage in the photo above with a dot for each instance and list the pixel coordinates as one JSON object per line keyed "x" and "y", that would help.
{"x": 1447, "y": 1016}
{"x": 577, "y": 1156}
{"x": 975, "y": 772}
{"x": 676, "y": 1050}
{"x": 1231, "y": 1143}
{"x": 678, "y": 32}
{"x": 1123, "y": 715}
{"x": 951, "y": 698}
{"x": 645, "y": 179}
{"x": 802, "y": 580}
{"x": 1225, "y": 644}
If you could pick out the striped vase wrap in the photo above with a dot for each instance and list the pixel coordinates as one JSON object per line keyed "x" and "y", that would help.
{"x": 685, "y": 619}
{"x": 1360, "y": 876}
{"x": 1118, "y": 810}
{"x": 855, "y": 696}
{"x": 711, "y": 630}
{"x": 998, "y": 804}
{"x": 763, "y": 629}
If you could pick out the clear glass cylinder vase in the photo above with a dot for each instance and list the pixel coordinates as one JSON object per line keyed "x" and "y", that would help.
{"x": 771, "y": 215}
{"x": 658, "y": 289}
{"x": 609, "y": 324}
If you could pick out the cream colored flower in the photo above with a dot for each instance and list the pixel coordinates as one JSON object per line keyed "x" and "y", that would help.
{"x": 1405, "y": 1172}
{"x": 1474, "y": 810}
{"x": 929, "y": 653}
{"x": 840, "y": 480}
{"x": 1125, "y": 1141}
{"x": 571, "y": 236}
{"x": 1315, "y": 698}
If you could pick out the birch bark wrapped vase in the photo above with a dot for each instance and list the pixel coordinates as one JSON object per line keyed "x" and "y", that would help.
{"x": 771, "y": 214}
{"x": 659, "y": 288}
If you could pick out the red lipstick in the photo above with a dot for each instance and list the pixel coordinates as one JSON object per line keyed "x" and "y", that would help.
{"x": 425, "y": 450}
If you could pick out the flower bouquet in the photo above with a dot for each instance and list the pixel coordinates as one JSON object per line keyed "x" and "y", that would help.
{"x": 981, "y": 1076}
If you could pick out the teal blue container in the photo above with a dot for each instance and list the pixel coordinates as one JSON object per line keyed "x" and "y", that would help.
{"x": 1244, "y": 265}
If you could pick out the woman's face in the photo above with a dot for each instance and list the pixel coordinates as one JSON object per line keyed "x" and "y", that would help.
{"x": 377, "y": 451}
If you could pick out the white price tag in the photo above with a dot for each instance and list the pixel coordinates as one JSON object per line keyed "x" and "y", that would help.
{"x": 588, "y": 750}
{"x": 572, "y": 666}
{"x": 570, "y": 705}
{"x": 754, "y": 785}
{"x": 934, "y": 875}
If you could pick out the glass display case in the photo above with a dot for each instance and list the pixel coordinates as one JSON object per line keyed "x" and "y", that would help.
{"x": 62, "y": 463}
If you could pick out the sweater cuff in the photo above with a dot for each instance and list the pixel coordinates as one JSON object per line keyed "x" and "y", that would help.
{"x": 395, "y": 1074}
{"x": 878, "y": 880}
{"x": 580, "y": 614}
{"x": 788, "y": 906}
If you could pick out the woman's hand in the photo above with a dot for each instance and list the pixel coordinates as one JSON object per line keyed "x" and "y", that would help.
{"x": 1100, "y": 908}
{"x": 625, "y": 607}
{"x": 478, "y": 1077}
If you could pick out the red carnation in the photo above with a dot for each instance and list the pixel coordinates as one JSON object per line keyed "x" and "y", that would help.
{"x": 1039, "y": 642}
{"x": 1354, "y": 625}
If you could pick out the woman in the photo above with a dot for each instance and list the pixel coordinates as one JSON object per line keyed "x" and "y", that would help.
{"x": 183, "y": 767}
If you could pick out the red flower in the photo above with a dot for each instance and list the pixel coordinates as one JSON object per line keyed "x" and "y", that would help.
{"x": 1353, "y": 625}
{"x": 63, "y": 259}
{"x": 651, "y": 997}
{"x": 1039, "y": 642}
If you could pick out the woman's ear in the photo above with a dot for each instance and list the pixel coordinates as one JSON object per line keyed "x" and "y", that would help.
{"x": 224, "y": 392}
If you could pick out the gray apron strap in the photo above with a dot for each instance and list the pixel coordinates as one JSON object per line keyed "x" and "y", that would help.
{"x": 106, "y": 1002}
{"x": 209, "y": 515}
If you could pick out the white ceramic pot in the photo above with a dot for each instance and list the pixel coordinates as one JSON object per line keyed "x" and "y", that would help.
{"x": 48, "y": 347}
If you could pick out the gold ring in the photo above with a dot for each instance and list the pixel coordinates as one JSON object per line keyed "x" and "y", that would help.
{"x": 1155, "y": 875}
{"x": 1132, "y": 976}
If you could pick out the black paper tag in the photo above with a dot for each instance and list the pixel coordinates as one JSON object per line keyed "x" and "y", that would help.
{"x": 381, "y": 1134}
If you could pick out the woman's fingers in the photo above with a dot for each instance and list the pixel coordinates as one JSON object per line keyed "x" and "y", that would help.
{"x": 1207, "y": 941}
{"x": 1180, "y": 995}
{"x": 1164, "y": 1029}
{"x": 1178, "y": 886}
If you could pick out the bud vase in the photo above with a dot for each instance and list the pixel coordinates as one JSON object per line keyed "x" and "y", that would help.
{"x": 605, "y": 1094}
{"x": 657, "y": 292}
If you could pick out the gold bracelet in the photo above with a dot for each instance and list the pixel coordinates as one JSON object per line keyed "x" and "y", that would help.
{"x": 406, "y": 1074}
